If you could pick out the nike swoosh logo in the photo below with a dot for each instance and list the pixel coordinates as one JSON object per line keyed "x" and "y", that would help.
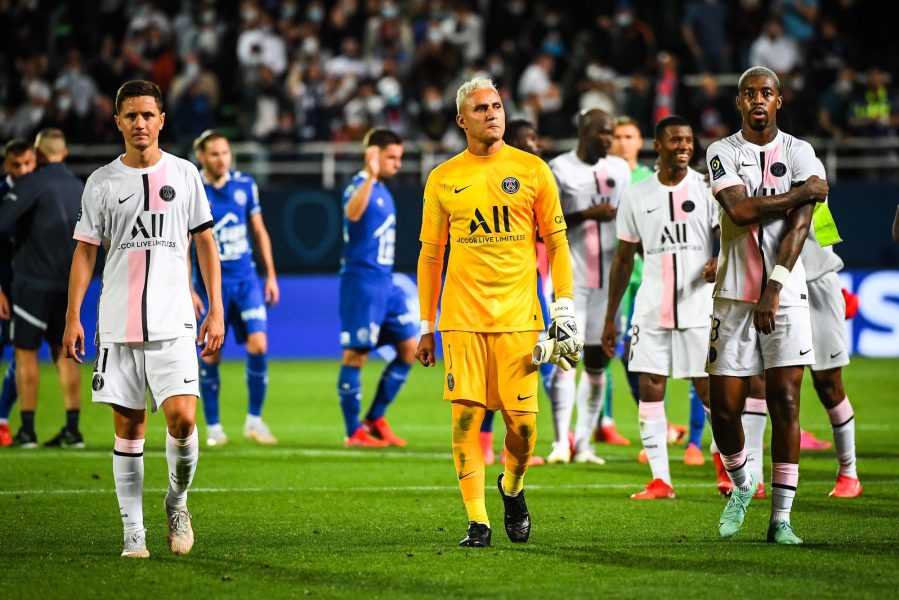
{"x": 464, "y": 475}
{"x": 186, "y": 380}
{"x": 836, "y": 355}
{"x": 525, "y": 398}
{"x": 742, "y": 164}
{"x": 801, "y": 353}
{"x": 651, "y": 211}
{"x": 124, "y": 200}
{"x": 457, "y": 190}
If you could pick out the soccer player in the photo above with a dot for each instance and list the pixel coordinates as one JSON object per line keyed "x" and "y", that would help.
{"x": 591, "y": 184}
{"x": 142, "y": 207}
{"x": 18, "y": 160}
{"x": 234, "y": 202}
{"x": 373, "y": 309}
{"x": 521, "y": 134}
{"x": 491, "y": 201}
{"x": 43, "y": 206}
{"x": 674, "y": 217}
{"x": 766, "y": 182}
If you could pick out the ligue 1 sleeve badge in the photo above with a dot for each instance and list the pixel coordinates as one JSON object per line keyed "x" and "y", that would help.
{"x": 511, "y": 185}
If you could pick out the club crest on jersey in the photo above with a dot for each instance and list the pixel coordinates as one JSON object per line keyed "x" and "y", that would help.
{"x": 716, "y": 167}
{"x": 97, "y": 383}
{"x": 778, "y": 169}
{"x": 240, "y": 197}
{"x": 511, "y": 185}
{"x": 450, "y": 382}
{"x": 688, "y": 206}
{"x": 167, "y": 193}
{"x": 610, "y": 182}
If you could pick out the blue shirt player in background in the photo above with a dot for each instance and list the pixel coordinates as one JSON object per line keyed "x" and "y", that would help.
{"x": 234, "y": 200}
{"x": 373, "y": 309}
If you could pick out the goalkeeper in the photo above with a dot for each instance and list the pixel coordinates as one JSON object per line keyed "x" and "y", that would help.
{"x": 488, "y": 201}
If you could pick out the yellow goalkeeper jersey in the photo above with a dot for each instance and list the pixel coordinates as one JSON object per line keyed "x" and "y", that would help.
{"x": 490, "y": 208}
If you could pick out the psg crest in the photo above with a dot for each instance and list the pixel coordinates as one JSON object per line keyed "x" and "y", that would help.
{"x": 97, "y": 383}
{"x": 167, "y": 193}
{"x": 450, "y": 382}
{"x": 511, "y": 185}
{"x": 778, "y": 169}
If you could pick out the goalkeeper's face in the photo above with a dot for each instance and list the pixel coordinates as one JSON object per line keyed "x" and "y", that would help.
{"x": 483, "y": 117}
{"x": 216, "y": 157}
{"x": 390, "y": 159}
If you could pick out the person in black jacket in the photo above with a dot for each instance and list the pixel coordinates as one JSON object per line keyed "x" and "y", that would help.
{"x": 44, "y": 208}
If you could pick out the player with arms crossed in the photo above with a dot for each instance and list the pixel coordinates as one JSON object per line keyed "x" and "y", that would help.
{"x": 591, "y": 184}
{"x": 766, "y": 182}
{"x": 373, "y": 308}
{"x": 491, "y": 201}
{"x": 674, "y": 217}
{"x": 141, "y": 208}
{"x": 234, "y": 202}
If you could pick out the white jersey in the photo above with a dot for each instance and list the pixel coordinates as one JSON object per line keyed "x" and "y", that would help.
{"x": 749, "y": 253}
{"x": 819, "y": 261}
{"x": 580, "y": 187}
{"x": 676, "y": 226}
{"x": 142, "y": 217}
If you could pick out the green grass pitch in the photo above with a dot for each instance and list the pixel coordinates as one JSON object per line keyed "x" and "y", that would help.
{"x": 308, "y": 518}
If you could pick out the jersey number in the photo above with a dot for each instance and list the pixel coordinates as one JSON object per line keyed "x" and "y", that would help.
{"x": 100, "y": 363}
{"x": 386, "y": 235}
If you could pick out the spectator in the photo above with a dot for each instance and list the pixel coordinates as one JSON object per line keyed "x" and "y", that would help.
{"x": 78, "y": 85}
{"x": 536, "y": 80}
{"x": 596, "y": 85}
{"x": 796, "y": 118}
{"x": 631, "y": 43}
{"x": 829, "y": 53}
{"x": 388, "y": 30}
{"x": 464, "y": 29}
{"x": 713, "y": 113}
{"x": 435, "y": 120}
{"x": 637, "y": 101}
{"x": 833, "y": 108}
{"x": 705, "y": 32}
{"x": 775, "y": 50}
{"x": 265, "y": 101}
{"x": 666, "y": 89}
{"x": 874, "y": 112}
{"x": 363, "y": 112}
{"x": 799, "y": 19}
{"x": 260, "y": 44}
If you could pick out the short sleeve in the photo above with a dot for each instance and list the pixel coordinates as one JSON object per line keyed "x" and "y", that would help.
{"x": 199, "y": 216}
{"x": 253, "y": 206}
{"x": 434, "y": 219}
{"x": 722, "y": 165}
{"x": 625, "y": 224}
{"x": 712, "y": 204}
{"x": 547, "y": 206}
{"x": 805, "y": 163}
{"x": 89, "y": 224}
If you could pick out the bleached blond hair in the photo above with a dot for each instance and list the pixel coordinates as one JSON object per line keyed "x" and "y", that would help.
{"x": 759, "y": 72}
{"x": 478, "y": 83}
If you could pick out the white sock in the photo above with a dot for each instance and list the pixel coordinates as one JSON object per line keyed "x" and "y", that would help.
{"x": 842, "y": 421}
{"x": 252, "y": 421}
{"x": 182, "y": 458}
{"x": 128, "y": 473}
{"x": 654, "y": 433}
{"x": 784, "y": 479}
{"x": 737, "y": 470}
{"x": 755, "y": 420}
{"x": 590, "y": 394}
{"x": 562, "y": 397}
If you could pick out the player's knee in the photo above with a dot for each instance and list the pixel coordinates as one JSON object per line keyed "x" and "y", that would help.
{"x": 257, "y": 343}
{"x": 213, "y": 359}
{"x": 406, "y": 350}
{"x": 354, "y": 357}
{"x": 829, "y": 386}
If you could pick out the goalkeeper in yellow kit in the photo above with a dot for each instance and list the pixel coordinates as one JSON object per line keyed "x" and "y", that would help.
{"x": 491, "y": 201}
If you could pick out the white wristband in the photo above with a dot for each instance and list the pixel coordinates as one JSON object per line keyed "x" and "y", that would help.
{"x": 780, "y": 274}
{"x": 427, "y": 327}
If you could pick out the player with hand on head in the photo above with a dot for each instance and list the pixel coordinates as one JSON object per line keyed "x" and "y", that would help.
{"x": 674, "y": 217}
{"x": 237, "y": 215}
{"x": 767, "y": 183}
{"x": 142, "y": 208}
{"x": 491, "y": 201}
{"x": 591, "y": 184}
{"x": 373, "y": 309}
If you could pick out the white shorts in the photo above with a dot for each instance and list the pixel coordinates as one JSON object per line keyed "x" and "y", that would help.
{"x": 677, "y": 353}
{"x": 737, "y": 349}
{"x": 590, "y": 313}
{"x": 123, "y": 372}
{"x": 828, "y": 313}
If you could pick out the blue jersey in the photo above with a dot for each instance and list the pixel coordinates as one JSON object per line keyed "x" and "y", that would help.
{"x": 232, "y": 206}
{"x": 369, "y": 242}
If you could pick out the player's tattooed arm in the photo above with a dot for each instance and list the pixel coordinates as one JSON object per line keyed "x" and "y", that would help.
{"x": 798, "y": 222}
{"x": 746, "y": 210}
{"x": 83, "y": 260}
{"x": 619, "y": 276}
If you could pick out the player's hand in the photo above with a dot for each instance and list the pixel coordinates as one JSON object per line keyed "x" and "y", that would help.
{"x": 272, "y": 291}
{"x": 425, "y": 351}
{"x": 212, "y": 333}
{"x": 563, "y": 330}
{"x": 766, "y": 308}
{"x": 816, "y": 189}
{"x": 73, "y": 340}
{"x": 373, "y": 161}
{"x": 609, "y": 338}
{"x": 199, "y": 307}
{"x": 710, "y": 270}
{"x": 600, "y": 212}
{"x": 547, "y": 351}
{"x": 4, "y": 306}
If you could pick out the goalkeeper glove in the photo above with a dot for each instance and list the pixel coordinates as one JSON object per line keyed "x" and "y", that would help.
{"x": 563, "y": 330}
{"x": 547, "y": 351}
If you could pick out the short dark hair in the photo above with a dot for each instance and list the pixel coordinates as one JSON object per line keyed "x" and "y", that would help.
{"x": 672, "y": 121}
{"x": 381, "y": 138}
{"x": 135, "y": 89}
{"x": 16, "y": 147}
{"x": 514, "y": 127}
{"x": 210, "y": 135}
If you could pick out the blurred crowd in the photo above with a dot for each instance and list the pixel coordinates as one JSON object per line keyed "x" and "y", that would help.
{"x": 284, "y": 71}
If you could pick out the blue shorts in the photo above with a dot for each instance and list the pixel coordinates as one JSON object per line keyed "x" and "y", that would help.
{"x": 373, "y": 312}
{"x": 244, "y": 307}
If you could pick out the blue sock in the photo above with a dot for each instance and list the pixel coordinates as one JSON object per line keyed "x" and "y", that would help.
{"x": 697, "y": 419}
{"x": 349, "y": 387}
{"x": 487, "y": 423}
{"x": 257, "y": 382}
{"x": 9, "y": 393}
{"x": 392, "y": 379}
{"x": 209, "y": 391}
{"x": 546, "y": 374}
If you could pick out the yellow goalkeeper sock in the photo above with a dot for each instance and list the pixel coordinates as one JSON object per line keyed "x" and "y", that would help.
{"x": 521, "y": 437}
{"x": 469, "y": 458}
